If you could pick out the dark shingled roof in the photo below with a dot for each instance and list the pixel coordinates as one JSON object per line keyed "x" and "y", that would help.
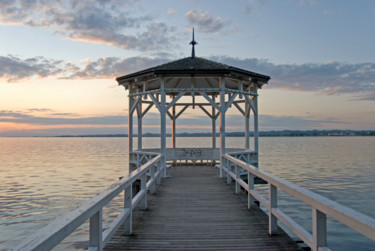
{"x": 193, "y": 66}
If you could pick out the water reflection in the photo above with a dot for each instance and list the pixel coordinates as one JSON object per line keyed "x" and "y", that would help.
{"x": 44, "y": 178}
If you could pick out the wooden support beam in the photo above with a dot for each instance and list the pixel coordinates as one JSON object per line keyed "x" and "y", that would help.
{"x": 239, "y": 108}
{"x": 174, "y": 126}
{"x": 222, "y": 109}
{"x": 139, "y": 125}
{"x": 253, "y": 106}
{"x": 96, "y": 231}
{"x": 170, "y": 115}
{"x": 213, "y": 124}
{"x": 319, "y": 229}
{"x": 232, "y": 98}
{"x": 211, "y": 101}
{"x": 206, "y": 112}
{"x": 247, "y": 125}
{"x": 182, "y": 110}
{"x": 134, "y": 105}
{"x": 163, "y": 125}
{"x": 147, "y": 109}
{"x": 128, "y": 196}
{"x": 175, "y": 100}
{"x": 272, "y": 220}
{"x": 156, "y": 103}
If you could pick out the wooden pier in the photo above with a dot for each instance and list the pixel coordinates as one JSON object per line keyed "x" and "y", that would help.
{"x": 195, "y": 209}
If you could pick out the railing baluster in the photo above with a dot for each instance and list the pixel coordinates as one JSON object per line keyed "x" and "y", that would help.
{"x": 128, "y": 196}
{"x": 95, "y": 242}
{"x": 272, "y": 203}
{"x": 319, "y": 229}
{"x": 250, "y": 198}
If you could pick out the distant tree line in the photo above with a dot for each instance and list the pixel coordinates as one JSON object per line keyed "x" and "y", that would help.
{"x": 283, "y": 133}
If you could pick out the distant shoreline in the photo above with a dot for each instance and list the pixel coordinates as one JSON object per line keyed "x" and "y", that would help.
{"x": 284, "y": 133}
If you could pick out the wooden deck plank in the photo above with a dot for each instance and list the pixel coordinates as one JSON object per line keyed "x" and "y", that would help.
{"x": 196, "y": 210}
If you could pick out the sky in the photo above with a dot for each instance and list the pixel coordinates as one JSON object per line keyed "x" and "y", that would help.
{"x": 59, "y": 60}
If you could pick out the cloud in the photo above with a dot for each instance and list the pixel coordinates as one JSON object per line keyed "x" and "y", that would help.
{"x": 55, "y": 119}
{"x": 110, "y": 22}
{"x": 171, "y": 11}
{"x": 204, "y": 21}
{"x": 293, "y": 122}
{"x": 14, "y": 69}
{"x": 250, "y": 6}
{"x": 332, "y": 78}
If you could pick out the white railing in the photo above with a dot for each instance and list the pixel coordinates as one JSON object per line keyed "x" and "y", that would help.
{"x": 52, "y": 234}
{"x": 321, "y": 206}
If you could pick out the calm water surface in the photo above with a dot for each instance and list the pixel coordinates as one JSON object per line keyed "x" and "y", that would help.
{"x": 43, "y": 178}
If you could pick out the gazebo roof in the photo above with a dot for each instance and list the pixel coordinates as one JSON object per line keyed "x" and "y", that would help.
{"x": 193, "y": 66}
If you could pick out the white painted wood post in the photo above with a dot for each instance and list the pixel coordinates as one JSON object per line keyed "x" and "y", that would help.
{"x": 95, "y": 241}
{"x": 256, "y": 132}
{"x": 128, "y": 196}
{"x": 213, "y": 125}
{"x": 144, "y": 189}
{"x": 222, "y": 127}
{"x": 319, "y": 229}
{"x": 250, "y": 183}
{"x": 173, "y": 126}
{"x": 139, "y": 115}
{"x": 163, "y": 125}
{"x": 272, "y": 220}
{"x": 152, "y": 173}
{"x": 230, "y": 169}
{"x": 158, "y": 170}
{"x": 247, "y": 124}
{"x": 130, "y": 128}
{"x": 238, "y": 174}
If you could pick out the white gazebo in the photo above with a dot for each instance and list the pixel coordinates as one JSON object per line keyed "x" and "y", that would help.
{"x": 193, "y": 82}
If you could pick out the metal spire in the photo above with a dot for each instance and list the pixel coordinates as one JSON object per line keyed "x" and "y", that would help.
{"x": 193, "y": 43}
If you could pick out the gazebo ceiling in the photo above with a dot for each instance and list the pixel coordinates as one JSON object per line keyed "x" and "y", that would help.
{"x": 206, "y": 74}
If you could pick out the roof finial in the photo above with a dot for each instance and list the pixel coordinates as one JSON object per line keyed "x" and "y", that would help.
{"x": 193, "y": 43}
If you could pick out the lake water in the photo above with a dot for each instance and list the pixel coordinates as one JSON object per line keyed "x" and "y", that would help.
{"x": 43, "y": 178}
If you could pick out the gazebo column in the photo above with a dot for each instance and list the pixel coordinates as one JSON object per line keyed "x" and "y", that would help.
{"x": 213, "y": 119}
{"x": 139, "y": 115}
{"x": 130, "y": 128}
{"x": 222, "y": 127}
{"x": 247, "y": 124}
{"x": 256, "y": 132}
{"x": 173, "y": 126}
{"x": 163, "y": 114}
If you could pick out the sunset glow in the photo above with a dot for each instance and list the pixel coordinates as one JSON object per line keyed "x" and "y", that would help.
{"x": 58, "y": 69}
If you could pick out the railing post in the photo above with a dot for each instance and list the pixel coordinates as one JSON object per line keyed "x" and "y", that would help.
{"x": 95, "y": 241}
{"x": 158, "y": 168}
{"x": 250, "y": 183}
{"x": 319, "y": 229}
{"x": 152, "y": 173}
{"x": 238, "y": 186}
{"x": 128, "y": 196}
{"x": 223, "y": 162}
{"x": 229, "y": 168}
{"x": 144, "y": 189}
{"x": 164, "y": 170}
{"x": 272, "y": 220}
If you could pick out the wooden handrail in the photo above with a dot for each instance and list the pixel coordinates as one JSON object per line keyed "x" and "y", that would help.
{"x": 321, "y": 205}
{"x": 52, "y": 234}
